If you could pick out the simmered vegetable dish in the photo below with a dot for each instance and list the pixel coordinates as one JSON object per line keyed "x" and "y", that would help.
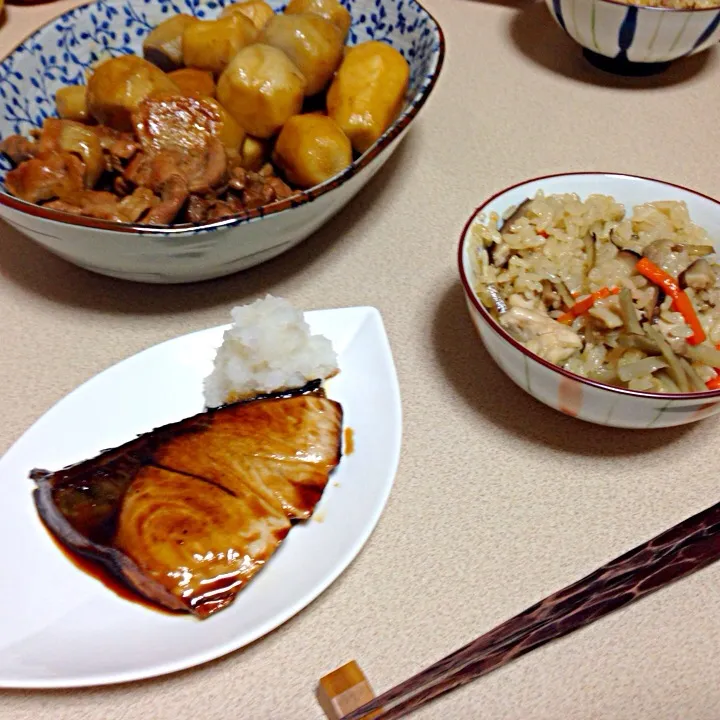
{"x": 218, "y": 117}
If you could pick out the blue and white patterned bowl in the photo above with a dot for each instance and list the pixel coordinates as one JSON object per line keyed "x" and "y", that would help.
{"x": 61, "y": 52}
{"x": 636, "y": 34}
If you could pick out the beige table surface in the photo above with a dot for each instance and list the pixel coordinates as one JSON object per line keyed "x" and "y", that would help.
{"x": 499, "y": 500}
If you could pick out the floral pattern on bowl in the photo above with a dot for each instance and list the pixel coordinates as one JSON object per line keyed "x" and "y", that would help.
{"x": 63, "y": 51}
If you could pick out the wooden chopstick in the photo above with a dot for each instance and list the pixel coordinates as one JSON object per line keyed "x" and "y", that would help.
{"x": 675, "y": 553}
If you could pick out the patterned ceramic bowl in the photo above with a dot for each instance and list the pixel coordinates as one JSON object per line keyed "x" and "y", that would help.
{"x": 59, "y": 54}
{"x": 574, "y": 395}
{"x": 635, "y": 39}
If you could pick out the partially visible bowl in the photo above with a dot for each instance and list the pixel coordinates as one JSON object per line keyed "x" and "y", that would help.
{"x": 635, "y": 39}
{"x": 562, "y": 390}
{"x": 60, "y": 53}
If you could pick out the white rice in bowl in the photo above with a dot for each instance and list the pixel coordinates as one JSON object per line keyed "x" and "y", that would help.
{"x": 269, "y": 348}
{"x": 563, "y": 276}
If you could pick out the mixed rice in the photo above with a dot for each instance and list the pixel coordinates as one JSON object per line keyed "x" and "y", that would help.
{"x": 627, "y": 299}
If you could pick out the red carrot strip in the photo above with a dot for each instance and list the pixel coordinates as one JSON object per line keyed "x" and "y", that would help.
{"x": 582, "y": 306}
{"x": 714, "y": 383}
{"x": 681, "y": 302}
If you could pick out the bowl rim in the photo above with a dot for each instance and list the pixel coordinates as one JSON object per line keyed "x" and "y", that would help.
{"x": 660, "y": 9}
{"x": 505, "y": 335}
{"x": 301, "y": 197}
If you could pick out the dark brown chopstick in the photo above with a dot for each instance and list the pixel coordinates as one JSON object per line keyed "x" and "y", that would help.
{"x": 675, "y": 553}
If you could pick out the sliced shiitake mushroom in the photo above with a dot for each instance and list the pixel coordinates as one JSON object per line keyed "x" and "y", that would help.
{"x": 516, "y": 215}
{"x": 633, "y": 246}
{"x": 698, "y": 276}
{"x": 499, "y": 254}
{"x": 652, "y": 307}
{"x": 565, "y": 294}
{"x": 590, "y": 251}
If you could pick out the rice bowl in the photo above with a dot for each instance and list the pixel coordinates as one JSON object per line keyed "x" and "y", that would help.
{"x": 552, "y": 381}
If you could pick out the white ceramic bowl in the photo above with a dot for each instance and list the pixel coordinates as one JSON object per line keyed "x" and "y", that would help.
{"x": 569, "y": 393}
{"x": 61, "y": 52}
{"x": 634, "y": 36}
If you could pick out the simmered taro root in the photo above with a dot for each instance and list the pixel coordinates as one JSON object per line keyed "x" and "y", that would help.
{"x": 192, "y": 81}
{"x": 211, "y": 44}
{"x": 311, "y": 149}
{"x": 368, "y": 92}
{"x": 258, "y": 11}
{"x": 227, "y": 131}
{"x": 254, "y": 153}
{"x": 329, "y": 9}
{"x": 118, "y": 86}
{"x": 71, "y": 102}
{"x": 164, "y": 45}
{"x": 261, "y": 88}
{"x": 313, "y": 43}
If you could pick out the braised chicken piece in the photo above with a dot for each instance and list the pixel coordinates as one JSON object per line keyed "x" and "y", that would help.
{"x": 201, "y": 171}
{"x": 119, "y": 147}
{"x": 18, "y": 148}
{"x": 47, "y": 176}
{"x": 225, "y": 208}
{"x": 201, "y": 209}
{"x": 259, "y": 188}
{"x": 180, "y": 152}
{"x": 179, "y": 165}
{"x": 542, "y": 334}
{"x": 74, "y": 137}
{"x": 106, "y": 206}
{"x": 173, "y": 195}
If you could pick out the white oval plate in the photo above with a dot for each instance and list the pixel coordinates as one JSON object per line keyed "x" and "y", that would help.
{"x": 60, "y": 627}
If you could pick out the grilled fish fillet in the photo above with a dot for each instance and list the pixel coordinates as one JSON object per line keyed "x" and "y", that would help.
{"x": 188, "y": 513}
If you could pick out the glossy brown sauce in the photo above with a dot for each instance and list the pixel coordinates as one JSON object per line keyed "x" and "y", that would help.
{"x": 104, "y": 576}
{"x": 94, "y": 515}
{"x": 349, "y": 437}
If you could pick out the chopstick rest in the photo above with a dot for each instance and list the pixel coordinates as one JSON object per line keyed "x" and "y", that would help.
{"x": 675, "y": 553}
{"x": 343, "y": 690}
